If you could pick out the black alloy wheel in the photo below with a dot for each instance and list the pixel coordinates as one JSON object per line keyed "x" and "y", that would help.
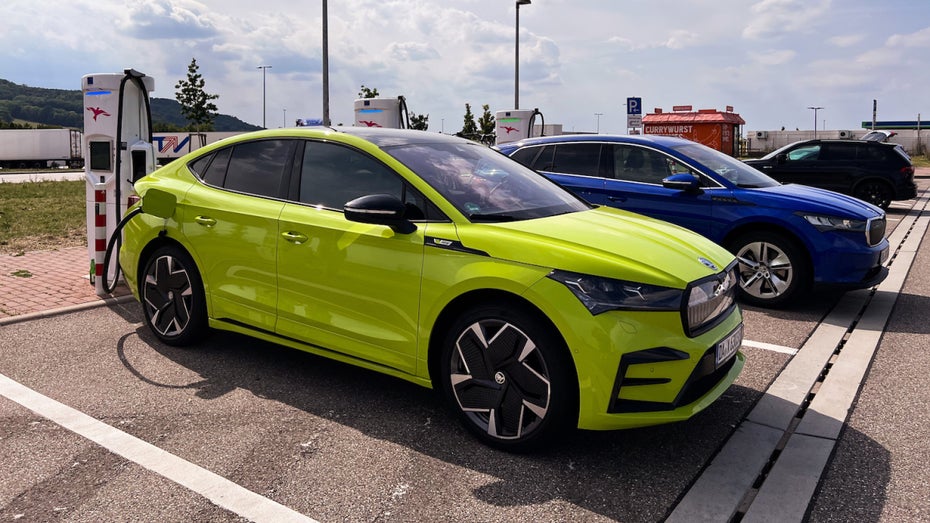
{"x": 173, "y": 297}
{"x": 875, "y": 192}
{"x": 507, "y": 376}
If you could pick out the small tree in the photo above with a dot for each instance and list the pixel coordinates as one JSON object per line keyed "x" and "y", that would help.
{"x": 196, "y": 105}
{"x": 487, "y": 125}
{"x": 469, "y": 129}
{"x": 420, "y": 122}
{"x": 368, "y": 93}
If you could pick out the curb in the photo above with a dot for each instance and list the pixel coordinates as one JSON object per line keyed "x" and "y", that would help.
{"x": 65, "y": 310}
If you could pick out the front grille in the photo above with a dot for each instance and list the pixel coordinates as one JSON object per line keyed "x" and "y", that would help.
{"x": 709, "y": 301}
{"x": 876, "y": 231}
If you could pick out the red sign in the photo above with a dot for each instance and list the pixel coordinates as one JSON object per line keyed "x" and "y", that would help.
{"x": 678, "y": 108}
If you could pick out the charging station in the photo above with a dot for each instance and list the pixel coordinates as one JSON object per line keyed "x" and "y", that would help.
{"x": 516, "y": 124}
{"x": 390, "y": 113}
{"x": 118, "y": 150}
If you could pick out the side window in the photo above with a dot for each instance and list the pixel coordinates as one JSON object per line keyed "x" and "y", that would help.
{"x": 258, "y": 167}
{"x": 544, "y": 160}
{"x": 577, "y": 158}
{"x": 333, "y": 174}
{"x": 526, "y": 155}
{"x": 870, "y": 154}
{"x": 215, "y": 173}
{"x": 837, "y": 152}
{"x": 637, "y": 164}
{"x": 806, "y": 153}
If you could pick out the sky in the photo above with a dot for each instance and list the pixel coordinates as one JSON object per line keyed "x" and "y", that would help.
{"x": 579, "y": 60}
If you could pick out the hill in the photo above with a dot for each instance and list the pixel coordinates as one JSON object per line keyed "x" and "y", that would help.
{"x": 42, "y": 107}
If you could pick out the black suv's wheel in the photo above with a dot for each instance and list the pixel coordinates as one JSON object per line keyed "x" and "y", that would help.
{"x": 173, "y": 297}
{"x": 508, "y": 378}
{"x": 772, "y": 269}
{"x": 875, "y": 192}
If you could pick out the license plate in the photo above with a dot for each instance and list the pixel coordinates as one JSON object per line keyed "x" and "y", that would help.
{"x": 883, "y": 257}
{"x": 728, "y": 346}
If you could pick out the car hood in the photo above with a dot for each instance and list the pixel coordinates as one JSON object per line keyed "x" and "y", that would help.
{"x": 812, "y": 199}
{"x": 604, "y": 242}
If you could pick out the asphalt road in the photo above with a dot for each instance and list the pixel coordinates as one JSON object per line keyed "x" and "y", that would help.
{"x": 238, "y": 429}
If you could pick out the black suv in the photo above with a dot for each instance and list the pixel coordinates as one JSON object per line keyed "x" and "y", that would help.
{"x": 876, "y": 172}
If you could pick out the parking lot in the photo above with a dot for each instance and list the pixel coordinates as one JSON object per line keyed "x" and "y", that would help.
{"x": 100, "y": 422}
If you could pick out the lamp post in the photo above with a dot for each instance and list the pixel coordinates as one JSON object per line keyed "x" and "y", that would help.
{"x": 516, "y": 60}
{"x": 284, "y": 123}
{"x": 326, "y": 121}
{"x": 263, "y": 68}
{"x": 815, "y": 119}
{"x": 597, "y": 129}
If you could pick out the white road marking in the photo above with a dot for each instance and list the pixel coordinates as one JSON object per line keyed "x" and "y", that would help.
{"x": 214, "y": 487}
{"x": 769, "y": 346}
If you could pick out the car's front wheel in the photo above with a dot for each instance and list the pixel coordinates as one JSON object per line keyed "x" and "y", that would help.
{"x": 876, "y": 192}
{"x": 507, "y": 375}
{"x": 772, "y": 269}
{"x": 172, "y": 297}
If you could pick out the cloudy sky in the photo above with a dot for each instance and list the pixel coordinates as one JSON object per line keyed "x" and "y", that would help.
{"x": 579, "y": 59}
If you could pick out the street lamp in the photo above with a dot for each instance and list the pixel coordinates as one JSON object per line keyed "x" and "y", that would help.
{"x": 598, "y": 128}
{"x": 326, "y": 121}
{"x": 815, "y": 119}
{"x": 263, "y": 68}
{"x": 516, "y": 60}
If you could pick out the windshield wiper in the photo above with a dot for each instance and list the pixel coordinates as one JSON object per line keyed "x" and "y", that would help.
{"x": 478, "y": 217}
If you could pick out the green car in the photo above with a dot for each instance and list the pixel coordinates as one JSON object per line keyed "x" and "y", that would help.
{"x": 442, "y": 262}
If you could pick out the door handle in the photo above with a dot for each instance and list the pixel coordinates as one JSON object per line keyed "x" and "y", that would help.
{"x": 294, "y": 237}
{"x": 206, "y": 221}
{"x": 617, "y": 198}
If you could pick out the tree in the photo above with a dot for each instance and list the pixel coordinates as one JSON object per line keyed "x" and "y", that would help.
{"x": 196, "y": 105}
{"x": 368, "y": 93}
{"x": 487, "y": 125}
{"x": 469, "y": 129}
{"x": 420, "y": 122}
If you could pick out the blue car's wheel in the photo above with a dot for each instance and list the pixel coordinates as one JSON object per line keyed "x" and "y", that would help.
{"x": 172, "y": 297}
{"x": 773, "y": 270}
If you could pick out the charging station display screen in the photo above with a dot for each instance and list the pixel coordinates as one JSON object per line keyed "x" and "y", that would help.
{"x": 100, "y": 156}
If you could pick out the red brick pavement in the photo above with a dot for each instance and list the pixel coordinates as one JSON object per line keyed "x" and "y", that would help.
{"x": 41, "y": 281}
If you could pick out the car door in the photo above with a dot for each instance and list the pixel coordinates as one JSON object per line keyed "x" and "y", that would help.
{"x": 231, "y": 223}
{"x": 575, "y": 166}
{"x": 797, "y": 165}
{"x": 636, "y": 185}
{"x": 346, "y": 286}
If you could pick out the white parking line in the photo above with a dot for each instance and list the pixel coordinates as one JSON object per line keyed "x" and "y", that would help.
{"x": 770, "y": 347}
{"x": 215, "y": 488}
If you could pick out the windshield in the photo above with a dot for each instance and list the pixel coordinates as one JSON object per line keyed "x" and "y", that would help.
{"x": 485, "y": 185}
{"x": 735, "y": 171}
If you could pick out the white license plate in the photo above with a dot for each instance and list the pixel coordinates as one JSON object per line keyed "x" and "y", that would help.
{"x": 728, "y": 346}
{"x": 883, "y": 257}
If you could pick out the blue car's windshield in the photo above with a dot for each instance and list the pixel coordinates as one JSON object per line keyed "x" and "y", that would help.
{"x": 735, "y": 171}
{"x": 483, "y": 184}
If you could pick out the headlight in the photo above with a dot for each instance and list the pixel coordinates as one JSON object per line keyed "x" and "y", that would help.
{"x": 833, "y": 223}
{"x": 604, "y": 294}
{"x": 709, "y": 299}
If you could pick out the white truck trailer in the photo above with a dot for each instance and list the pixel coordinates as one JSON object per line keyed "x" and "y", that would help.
{"x": 40, "y": 148}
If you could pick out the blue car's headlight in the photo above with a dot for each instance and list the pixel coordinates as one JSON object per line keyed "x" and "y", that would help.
{"x": 834, "y": 223}
{"x": 604, "y": 294}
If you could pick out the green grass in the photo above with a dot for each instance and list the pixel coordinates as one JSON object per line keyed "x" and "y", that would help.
{"x": 42, "y": 215}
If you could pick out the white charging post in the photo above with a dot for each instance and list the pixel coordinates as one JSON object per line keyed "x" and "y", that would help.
{"x": 390, "y": 113}
{"x": 118, "y": 151}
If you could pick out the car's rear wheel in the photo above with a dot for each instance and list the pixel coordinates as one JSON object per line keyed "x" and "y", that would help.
{"x": 507, "y": 375}
{"x": 172, "y": 297}
{"x": 876, "y": 192}
{"x": 772, "y": 269}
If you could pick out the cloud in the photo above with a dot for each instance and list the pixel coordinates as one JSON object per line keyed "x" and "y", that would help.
{"x": 774, "y": 57}
{"x": 165, "y": 19}
{"x": 845, "y": 40}
{"x": 777, "y": 18}
{"x": 412, "y": 51}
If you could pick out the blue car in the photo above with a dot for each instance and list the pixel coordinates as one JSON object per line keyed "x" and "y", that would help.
{"x": 789, "y": 239}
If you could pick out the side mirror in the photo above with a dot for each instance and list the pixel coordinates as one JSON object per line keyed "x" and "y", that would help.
{"x": 380, "y": 209}
{"x": 159, "y": 203}
{"x": 781, "y": 158}
{"x": 682, "y": 182}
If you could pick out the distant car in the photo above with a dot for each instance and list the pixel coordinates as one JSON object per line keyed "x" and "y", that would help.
{"x": 878, "y": 136}
{"x": 439, "y": 261}
{"x": 873, "y": 171}
{"x": 787, "y": 238}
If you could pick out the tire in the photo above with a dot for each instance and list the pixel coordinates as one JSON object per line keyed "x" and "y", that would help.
{"x": 876, "y": 192}
{"x": 172, "y": 296}
{"x": 509, "y": 378}
{"x": 773, "y": 270}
